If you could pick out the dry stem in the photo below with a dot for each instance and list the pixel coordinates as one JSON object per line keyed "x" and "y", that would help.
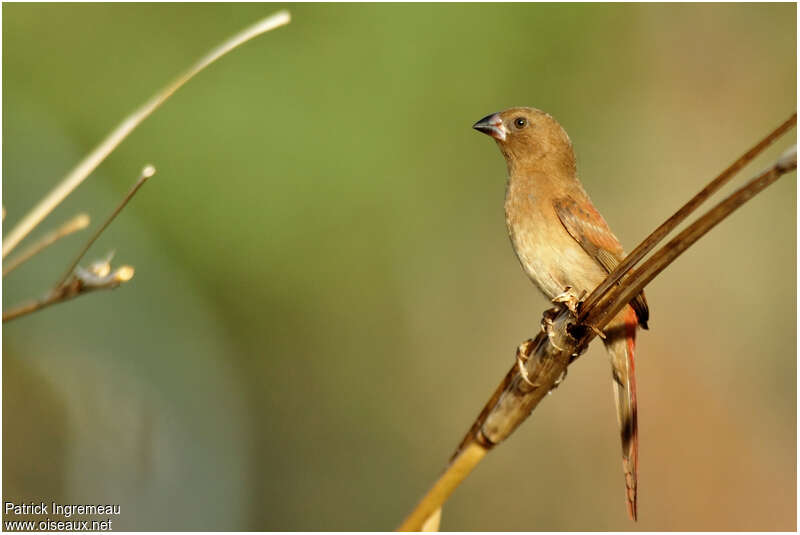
{"x": 670, "y": 224}
{"x": 99, "y": 276}
{"x": 84, "y": 281}
{"x": 460, "y": 467}
{"x": 79, "y": 222}
{"x": 146, "y": 173}
{"x": 614, "y": 300}
{"x": 91, "y": 161}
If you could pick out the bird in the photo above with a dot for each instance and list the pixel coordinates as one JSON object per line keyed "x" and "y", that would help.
{"x": 565, "y": 245}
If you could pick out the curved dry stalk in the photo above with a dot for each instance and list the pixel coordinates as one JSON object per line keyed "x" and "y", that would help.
{"x": 616, "y": 298}
{"x": 79, "y": 222}
{"x": 670, "y": 224}
{"x": 565, "y": 336}
{"x": 94, "y": 158}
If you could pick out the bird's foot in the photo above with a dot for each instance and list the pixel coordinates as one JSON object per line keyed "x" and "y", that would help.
{"x": 570, "y": 299}
{"x": 523, "y": 355}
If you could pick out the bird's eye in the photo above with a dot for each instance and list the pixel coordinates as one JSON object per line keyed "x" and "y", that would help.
{"x": 520, "y": 122}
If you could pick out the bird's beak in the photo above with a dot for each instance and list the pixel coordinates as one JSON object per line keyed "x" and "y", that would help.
{"x": 492, "y": 125}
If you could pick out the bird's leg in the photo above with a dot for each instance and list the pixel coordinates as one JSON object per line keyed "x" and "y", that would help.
{"x": 572, "y": 301}
{"x": 525, "y": 348}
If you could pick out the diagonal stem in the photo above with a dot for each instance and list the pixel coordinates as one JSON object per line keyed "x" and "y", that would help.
{"x": 33, "y": 305}
{"x": 613, "y": 301}
{"x": 146, "y": 173}
{"x": 79, "y": 222}
{"x": 670, "y": 224}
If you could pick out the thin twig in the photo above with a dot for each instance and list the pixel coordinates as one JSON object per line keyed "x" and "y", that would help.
{"x": 545, "y": 361}
{"x": 146, "y": 173}
{"x": 80, "y": 284}
{"x": 615, "y": 299}
{"x": 25, "y": 308}
{"x": 79, "y": 222}
{"x": 99, "y": 276}
{"x": 670, "y": 224}
{"x": 90, "y": 162}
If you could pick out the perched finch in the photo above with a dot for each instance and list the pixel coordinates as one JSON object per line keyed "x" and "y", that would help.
{"x": 562, "y": 241}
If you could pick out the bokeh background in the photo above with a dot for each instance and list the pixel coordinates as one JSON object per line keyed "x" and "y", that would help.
{"x": 325, "y": 294}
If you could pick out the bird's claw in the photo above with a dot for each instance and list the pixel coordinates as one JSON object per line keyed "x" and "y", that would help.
{"x": 570, "y": 299}
{"x": 523, "y": 354}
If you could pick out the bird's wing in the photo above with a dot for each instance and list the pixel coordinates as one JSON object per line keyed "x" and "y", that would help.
{"x": 591, "y": 231}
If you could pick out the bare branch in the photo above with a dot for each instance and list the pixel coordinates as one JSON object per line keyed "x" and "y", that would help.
{"x": 79, "y": 222}
{"x": 146, "y": 173}
{"x": 545, "y": 361}
{"x": 615, "y": 299}
{"x": 98, "y": 277}
{"x": 91, "y": 161}
{"x": 670, "y": 224}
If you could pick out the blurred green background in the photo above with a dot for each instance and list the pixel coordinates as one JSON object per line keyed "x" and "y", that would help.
{"x": 325, "y": 294}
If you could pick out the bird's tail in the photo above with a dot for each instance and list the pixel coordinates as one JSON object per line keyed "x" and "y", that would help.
{"x": 621, "y": 344}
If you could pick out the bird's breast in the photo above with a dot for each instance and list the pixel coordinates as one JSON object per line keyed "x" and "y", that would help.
{"x": 549, "y": 255}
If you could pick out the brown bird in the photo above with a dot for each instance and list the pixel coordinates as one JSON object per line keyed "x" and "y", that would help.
{"x": 562, "y": 241}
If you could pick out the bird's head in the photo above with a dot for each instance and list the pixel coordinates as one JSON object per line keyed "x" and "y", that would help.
{"x": 527, "y": 136}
